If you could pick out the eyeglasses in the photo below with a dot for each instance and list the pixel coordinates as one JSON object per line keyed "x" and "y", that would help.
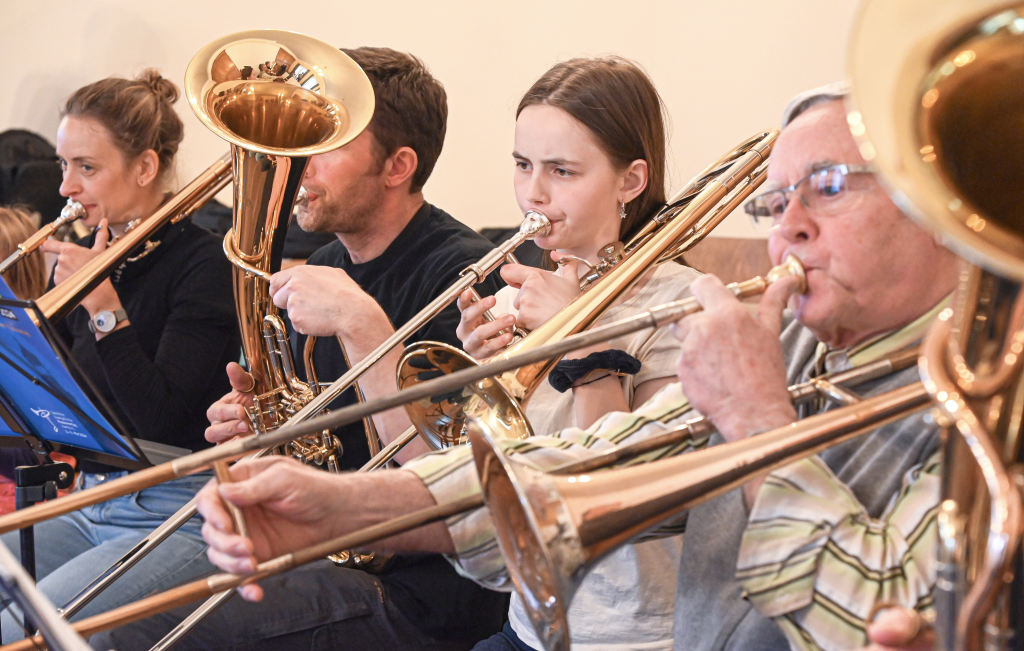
{"x": 822, "y": 191}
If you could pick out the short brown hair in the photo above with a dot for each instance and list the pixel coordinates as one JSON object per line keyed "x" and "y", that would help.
{"x": 138, "y": 113}
{"x": 615, "y": 99}
{"x": 27, "y": 278}
{"x": 411, "y": 106}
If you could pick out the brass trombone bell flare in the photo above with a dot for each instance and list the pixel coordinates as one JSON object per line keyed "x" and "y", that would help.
{"x": 552, "y": 529}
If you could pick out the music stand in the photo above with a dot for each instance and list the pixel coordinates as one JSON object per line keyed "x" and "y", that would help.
{"x": 44, "y": 406}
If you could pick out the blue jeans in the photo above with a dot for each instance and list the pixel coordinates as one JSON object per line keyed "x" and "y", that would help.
{"x": 507, "y": 640}
{"x": 72, "y": 550}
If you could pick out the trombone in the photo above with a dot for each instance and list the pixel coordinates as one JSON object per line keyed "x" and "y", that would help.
{"x": 472, "y": 381}
{"x": 59, "y": 301}
{"x": 696, "y": 209}
{"x": 775, "y": 448}
{"x": 708, "y": 473}
{"x": 71, "y": 212}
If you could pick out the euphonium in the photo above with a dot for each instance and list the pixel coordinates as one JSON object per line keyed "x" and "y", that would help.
{"x": 689, "y": 216}
{"x": 278, "y": 98}
{"x": 940, "y": 108}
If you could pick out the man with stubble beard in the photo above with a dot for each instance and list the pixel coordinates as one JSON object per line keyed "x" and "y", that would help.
{"x": 395, "y": 253}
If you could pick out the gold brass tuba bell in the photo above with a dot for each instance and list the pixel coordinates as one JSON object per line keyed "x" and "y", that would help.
{"x": 278, "y": 98}
{"x": 939, "y": 106}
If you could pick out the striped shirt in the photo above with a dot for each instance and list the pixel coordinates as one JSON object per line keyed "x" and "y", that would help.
{"x": 815, "y": 574}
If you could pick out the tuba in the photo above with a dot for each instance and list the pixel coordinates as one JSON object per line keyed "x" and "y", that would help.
{"x": 945, "y": 124}
{"x": 278, "y": 98}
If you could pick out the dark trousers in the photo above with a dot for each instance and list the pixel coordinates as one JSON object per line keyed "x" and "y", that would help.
{"x": 314, "y": 607}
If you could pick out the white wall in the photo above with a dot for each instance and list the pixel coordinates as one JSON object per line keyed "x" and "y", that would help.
{"x": 725, "y": 68}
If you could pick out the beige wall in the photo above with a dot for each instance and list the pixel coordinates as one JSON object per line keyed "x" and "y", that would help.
{"x": 725, "y": 68}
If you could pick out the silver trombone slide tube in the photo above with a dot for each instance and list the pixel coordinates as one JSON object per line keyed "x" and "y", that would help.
{"x": 15, "y": 581}
{"x": 699, "y": 427}
{"x": 535, "y": 224}
{"x": 390, "y": 450}
{"x": 186, "y": 625}
{"x": 126, "y": 562}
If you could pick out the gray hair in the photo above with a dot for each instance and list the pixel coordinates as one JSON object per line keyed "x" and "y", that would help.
{"x": 809, "y": 98}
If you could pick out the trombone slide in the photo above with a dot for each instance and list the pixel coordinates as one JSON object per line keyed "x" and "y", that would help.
{"x": 478, "y": 377}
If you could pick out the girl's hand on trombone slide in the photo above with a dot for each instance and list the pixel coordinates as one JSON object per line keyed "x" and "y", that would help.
{"x": 479, "y": 336}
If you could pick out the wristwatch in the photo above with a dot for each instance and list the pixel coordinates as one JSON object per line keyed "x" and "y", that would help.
{"x": 105, "y": 320}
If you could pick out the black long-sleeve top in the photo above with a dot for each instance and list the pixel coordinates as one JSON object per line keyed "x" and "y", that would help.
{"x": 162, "y": 372}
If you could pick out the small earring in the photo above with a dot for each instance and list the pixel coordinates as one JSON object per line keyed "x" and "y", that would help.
{"x": 622, "y": 212}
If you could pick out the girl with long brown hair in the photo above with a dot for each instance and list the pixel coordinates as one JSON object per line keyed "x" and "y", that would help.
{"x": 590, "y": 154}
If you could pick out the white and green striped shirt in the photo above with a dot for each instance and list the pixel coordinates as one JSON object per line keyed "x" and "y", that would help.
{"x": 812, "y": 558}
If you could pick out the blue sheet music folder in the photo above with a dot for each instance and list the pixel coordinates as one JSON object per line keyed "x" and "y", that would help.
{"x": 41, "y": 394}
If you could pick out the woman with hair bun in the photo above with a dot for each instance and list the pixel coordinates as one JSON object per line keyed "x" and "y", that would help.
{"x": 152, "y": 337}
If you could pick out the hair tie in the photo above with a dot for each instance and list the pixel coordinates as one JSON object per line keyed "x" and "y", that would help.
{"x": 616, "y": 362}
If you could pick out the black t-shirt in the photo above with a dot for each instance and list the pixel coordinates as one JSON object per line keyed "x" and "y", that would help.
{"x": 424, "y": 260}
{"x": 162, "y": 372}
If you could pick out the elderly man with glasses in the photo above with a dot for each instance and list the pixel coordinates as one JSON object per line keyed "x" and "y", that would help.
{"x": 800, "y": 558}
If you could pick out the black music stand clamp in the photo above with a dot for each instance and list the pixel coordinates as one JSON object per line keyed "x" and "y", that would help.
{"x": 34, "y": 484}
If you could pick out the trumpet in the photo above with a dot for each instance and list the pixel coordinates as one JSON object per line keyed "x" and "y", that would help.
{"x": 71, "y": 212}
{"x": 792, "y": 441}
